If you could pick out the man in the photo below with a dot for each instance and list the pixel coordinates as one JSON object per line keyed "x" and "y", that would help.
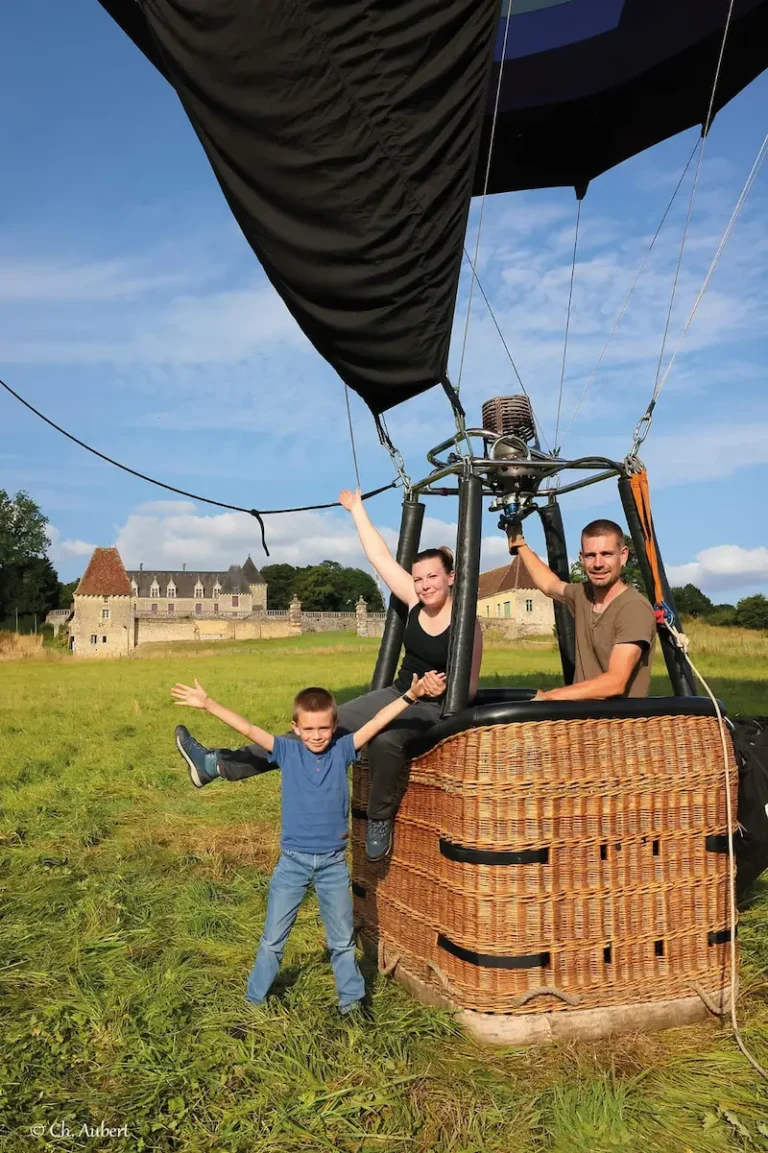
{"x": 615, "y": 624}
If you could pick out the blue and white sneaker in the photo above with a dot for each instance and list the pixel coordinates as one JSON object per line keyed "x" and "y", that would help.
{"x": 200, "y": 761}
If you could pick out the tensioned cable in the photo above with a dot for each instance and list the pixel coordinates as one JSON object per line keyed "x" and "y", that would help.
{"x": 352, "y": 436}
{"x": 684, "y": 237}
{"x": 257, "y": 513}
{"x": 749, "y": 182}
{"x": 473, "y": 263}
{"x": 567, "y": 323}
{"x": 623, "y": 308}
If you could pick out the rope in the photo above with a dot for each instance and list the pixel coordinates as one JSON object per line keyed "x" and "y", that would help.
{"x": 567, "y": 324}
{"x": 682, "y": 641}
{"x": 395, "y": 455}
{"x": 352, "y": 436}
{"x": 684, "y": 237}
{"x": 473, "y": 263}
{"x": 623, "y": 308}
{"x": 644, "y": 423}
{"x": 256, "y": 513}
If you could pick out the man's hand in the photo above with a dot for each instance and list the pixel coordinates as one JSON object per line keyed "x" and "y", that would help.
{"x": 350, "y": 500}
{"x": 515, "y": 536}
{"x": 431, "y": 685}
{"x": 195, "y": 698}
{"x": 541, "y": 696}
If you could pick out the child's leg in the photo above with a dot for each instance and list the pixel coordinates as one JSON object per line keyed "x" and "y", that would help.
{"x": 332, "y": 887}
{"x": 289, "y": 883}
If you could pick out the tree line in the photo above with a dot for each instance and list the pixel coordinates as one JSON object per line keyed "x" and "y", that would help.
{"x": 30, "y": 586}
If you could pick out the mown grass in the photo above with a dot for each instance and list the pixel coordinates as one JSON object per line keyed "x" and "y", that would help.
{"x": 132, "y": 905}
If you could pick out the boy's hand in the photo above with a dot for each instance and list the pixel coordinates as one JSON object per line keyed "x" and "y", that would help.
{"x": 350, "y": 500}
{"x": 431, "y": 685}
{"x": 196, "y": 698}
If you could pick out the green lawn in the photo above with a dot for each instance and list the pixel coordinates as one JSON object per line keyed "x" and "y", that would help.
{"x": 132, "y": 905}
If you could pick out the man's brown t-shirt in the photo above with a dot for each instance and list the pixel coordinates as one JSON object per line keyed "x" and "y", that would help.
{"x": 629, "y": 619}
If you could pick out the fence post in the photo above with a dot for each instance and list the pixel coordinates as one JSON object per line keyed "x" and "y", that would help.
{"x": 361, "y": 617}
{"x": 294, "y": 614}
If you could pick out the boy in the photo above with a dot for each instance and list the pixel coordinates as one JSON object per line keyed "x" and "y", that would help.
{"x": 315, "y": 814}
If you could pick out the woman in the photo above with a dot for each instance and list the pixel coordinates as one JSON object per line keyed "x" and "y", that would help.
{"x": 427, "y": 590}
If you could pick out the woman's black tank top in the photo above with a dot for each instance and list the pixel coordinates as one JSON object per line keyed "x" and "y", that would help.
{"x": 423, "y": 653}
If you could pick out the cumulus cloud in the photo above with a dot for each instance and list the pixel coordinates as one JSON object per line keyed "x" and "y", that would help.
{"x": 723, "y": 566}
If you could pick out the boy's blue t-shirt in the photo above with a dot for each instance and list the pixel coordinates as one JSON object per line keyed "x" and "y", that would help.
{"x": 315, "y": 802}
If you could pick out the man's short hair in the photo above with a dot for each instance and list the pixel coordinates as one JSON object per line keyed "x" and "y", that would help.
{"x": 314, "y": 700}
{"x": 603, "y": 528}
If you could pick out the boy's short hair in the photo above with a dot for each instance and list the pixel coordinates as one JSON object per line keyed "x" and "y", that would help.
{"x": 603, "y": 528}
{"x": 314, "y": 700}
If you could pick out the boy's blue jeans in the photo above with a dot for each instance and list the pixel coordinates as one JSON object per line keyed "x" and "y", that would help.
{"x": 294, "y": 874}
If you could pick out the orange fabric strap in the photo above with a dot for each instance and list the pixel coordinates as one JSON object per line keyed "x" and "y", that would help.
{"x": 642, "y": 497}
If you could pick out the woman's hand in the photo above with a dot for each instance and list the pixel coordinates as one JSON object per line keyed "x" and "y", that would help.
{"x": 195, "y": 698}
{"x": 431, "y": 685}
{"x": 350, "y": 500}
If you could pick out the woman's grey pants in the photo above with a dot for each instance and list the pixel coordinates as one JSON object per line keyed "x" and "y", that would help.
{"x": 387, "y": 756}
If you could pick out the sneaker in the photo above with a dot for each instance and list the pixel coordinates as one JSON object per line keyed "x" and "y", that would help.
{"x": 378, "y": 839}
{"x": 358, "y": 1013}
{"x": 201, "y": 761}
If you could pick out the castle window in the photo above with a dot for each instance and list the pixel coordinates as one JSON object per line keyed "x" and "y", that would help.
{"x": 103, "y": 640}
{"x": 94, "y": 639}
{"x": 507, "y": 608}
{"x": 105, "y": 614}
{"x": 171, "y": 609}
{"x": 216, "y": 590}
{"x": 199, "y": 591}
{"x": 215, "y": 610}
{"x": 529, "y": 606}
{"x": 198, "y": 609}
{"x": 155, "y": 590}
{"x": 171, "y": 591}
{"x": 106, "y": 600}
{"x": 154, "y": 610}
{"x": 235, "y": 601}
{"x": 134, "y": 588}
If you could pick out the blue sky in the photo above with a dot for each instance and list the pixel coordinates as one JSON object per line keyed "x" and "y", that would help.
{"x": 133, "y": 313}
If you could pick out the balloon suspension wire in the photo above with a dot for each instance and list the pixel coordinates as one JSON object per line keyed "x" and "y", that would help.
{"x": 486, "y": 181}
{"x": 682, "y": 643}
{"x": 646, "y": 420}
{"x": 352, "y": 436}
{"x": 567, "y": 325}
{"x": 257, "y": 513}
{"x": 628, "y": 297}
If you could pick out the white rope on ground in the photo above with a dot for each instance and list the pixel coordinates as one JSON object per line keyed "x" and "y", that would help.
{"x": 628, "y": 297}
{"x": 352, "y": 437}
{"x": 473, "y": 263}
{"x": 682, "y": 642}
{"x": 749, "y": 182}
{"x": 567, "y": 324}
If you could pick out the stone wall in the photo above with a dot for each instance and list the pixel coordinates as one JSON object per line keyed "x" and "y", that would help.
{"x": 151, "y": 630}
{"x": 518, "y": 613}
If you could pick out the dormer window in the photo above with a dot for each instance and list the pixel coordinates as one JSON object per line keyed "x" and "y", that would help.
{"x": 155, "y": 590}
{"x": 199, "y": 591}
{"x": 170, "y": 592}
{"x": 216, "y": 591}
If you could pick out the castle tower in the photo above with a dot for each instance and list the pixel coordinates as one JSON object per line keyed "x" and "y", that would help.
{"x": 102, "y": 625}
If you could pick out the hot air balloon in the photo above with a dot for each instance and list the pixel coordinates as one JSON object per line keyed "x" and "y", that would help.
{"x": 560, "y": 868}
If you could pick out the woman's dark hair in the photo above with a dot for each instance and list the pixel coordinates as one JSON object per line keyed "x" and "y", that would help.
{"x": 443, "y": 554}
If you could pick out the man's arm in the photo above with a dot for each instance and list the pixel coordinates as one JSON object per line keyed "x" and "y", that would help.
{"x": 387, "y": 715}
{"x": 541, "y": 574}
{"x": 613, "y": 683}
{"x": 197, "y": 698}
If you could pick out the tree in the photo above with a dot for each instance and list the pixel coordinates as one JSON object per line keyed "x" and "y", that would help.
{"x": 28, "y": 581}
{"x": 67, "y": 592}
{"x": 281, "y": 579}
{"x": 692, "y": 601}
{"x": 722, "y": 615}
{"x": 752, "y": 612}
{"x": 631, "y": 573}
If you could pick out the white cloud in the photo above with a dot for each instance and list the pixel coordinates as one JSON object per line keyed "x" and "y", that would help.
{"x": 723, "y": 566}
{"x": 62, "y": 551}
{"x": 83, "y": 282}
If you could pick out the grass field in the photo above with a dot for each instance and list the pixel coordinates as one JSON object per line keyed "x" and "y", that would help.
{"x": 132, "y": 905}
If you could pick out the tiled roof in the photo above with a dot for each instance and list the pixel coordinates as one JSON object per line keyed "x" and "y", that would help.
{"x": 104, "y": 576}
{"x": 508, "y": 578}
{"x": 236, "y": 578}
{"x": 252, "y": 574}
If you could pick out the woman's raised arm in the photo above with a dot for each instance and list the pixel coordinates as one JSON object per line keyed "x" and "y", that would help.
{"x": 395, "y": 577}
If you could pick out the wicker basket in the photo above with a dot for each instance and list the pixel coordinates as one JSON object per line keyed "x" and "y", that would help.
{"x": 557, "y": 867}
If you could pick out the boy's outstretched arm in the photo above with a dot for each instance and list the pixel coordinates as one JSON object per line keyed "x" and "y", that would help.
{"x": 430, "y": 685}
{"x": 197, "y": 698}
